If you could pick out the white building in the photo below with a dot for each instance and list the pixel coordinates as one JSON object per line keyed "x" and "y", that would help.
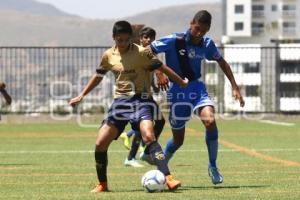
{"x": 258, "y": 21}
{"x": 268, "y": 73}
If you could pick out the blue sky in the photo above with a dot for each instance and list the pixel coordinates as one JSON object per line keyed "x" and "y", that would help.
{"x": 110, "y": 9}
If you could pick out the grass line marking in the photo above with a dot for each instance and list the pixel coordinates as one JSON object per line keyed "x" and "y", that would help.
{"x": 277, "y": 123}
{"x": 255, "y": 154}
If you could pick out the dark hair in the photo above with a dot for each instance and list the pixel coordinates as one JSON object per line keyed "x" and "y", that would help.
{"x": 202, "y": 16}
{"x": 122, "y": 27}
{"x": 148, "y": 31}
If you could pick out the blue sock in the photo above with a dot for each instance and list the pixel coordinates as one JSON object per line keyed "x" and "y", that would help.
{"x": 211, "y": 139}
{"x": 170, "y": 149}
{"x": 130, "y": 133}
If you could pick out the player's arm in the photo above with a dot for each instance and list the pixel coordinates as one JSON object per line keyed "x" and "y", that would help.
{"x": 162, "y": 80}
{"x": 101, "y": 70}
{"x": 235, "y": 89}
{"x": 172, "y": 75}
{"x": 4, "y": 93}
{"x": 93, "y": 82}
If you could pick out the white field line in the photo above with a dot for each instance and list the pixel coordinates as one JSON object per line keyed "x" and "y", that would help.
{"x": 277, "y": 123}
{"x": 126, "y": 151}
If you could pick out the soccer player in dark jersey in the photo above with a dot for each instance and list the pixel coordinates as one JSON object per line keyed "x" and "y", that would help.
{"x": 131, "y": 65}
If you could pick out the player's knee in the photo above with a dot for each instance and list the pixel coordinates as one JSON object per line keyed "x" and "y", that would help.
{"x": 148, "y": 138}
{"x": 100, "y": 146}
{"x": 210, "y": 123}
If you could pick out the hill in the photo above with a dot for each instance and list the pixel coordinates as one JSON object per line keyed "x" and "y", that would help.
{"x": 30, "y": 23}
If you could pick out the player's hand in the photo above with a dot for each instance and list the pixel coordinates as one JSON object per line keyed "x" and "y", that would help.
{"x": 2, "y": 86}
{"x": 162, "y": 80}
{"x": 73, "y": 102}
{"x": 237, "y": 96}
{"x": 185, "y": 83}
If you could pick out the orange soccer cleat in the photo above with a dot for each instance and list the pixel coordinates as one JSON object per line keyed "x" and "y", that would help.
{"x": 101, "y": 187}
{"x": 172, "y": 183}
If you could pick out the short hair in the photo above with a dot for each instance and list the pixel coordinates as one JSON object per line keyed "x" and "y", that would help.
{"x": 148, "y": 31}
{"x": 202, "y": 16}
{"x": 122, "y": 27}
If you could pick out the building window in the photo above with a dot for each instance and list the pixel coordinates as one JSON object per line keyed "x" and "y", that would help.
{"x": 290, "y": 90}
{"x": 289, "y": 7}
{"x": 289, "y": 27}
{"x": 274, "y": 8}
{"x": 251, "y": 67}
{"x": 252, "y": 90}
{"x": 258, "y": 10}
{"x": 290, "y": 67}
{"x": 239, "y": 9}
{"x": 257, "y": 28}
{"x": 238, "y": 26}
{"x": 258, "y": 7}
{"x": 289, "y": 10}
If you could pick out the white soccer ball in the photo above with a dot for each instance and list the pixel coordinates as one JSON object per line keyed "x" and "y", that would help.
{"x": 153, "y": 181}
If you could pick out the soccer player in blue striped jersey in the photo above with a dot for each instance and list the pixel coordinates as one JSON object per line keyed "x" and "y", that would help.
{"x": 184, "y": 53}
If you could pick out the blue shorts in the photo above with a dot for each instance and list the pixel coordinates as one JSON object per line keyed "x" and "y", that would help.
{"x": 184, "y": 101}
{"x": 131, "y": 109}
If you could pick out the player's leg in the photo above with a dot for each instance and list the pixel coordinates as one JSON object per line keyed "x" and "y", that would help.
{"x": 130, "y": 160}
{"x": 206, "y": 114}
{"x": 180, "y": 113}
{"x": 156, "y": 153}
{"x": 174, "y": 143}
{"x": 107, "y": 133}
{"x": 126, "y": 138}
{"x": 159, "y": 124}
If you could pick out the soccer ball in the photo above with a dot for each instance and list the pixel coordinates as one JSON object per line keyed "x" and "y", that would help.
{"x": 153, "y": 181}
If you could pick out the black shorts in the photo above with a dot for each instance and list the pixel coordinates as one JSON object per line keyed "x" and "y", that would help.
{"x": 131, "y": 109}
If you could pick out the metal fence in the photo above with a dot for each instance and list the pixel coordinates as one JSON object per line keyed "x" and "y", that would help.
{"x": 42, "y": 79}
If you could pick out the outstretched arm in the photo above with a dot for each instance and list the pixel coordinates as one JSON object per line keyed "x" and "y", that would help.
{"x": 235, "y": 89}
{"x": 93, "y": 82}
{"x": 173, "y": 76}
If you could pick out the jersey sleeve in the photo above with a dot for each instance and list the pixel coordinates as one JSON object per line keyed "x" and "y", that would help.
{"x": 163, "y": 44}
{"x": 213, "y": 52}
{"x": 151, "y": 61}
{"x": 104, "y": 65}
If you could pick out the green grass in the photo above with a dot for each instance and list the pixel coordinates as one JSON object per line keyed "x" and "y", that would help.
{"x": 48, "y": 169}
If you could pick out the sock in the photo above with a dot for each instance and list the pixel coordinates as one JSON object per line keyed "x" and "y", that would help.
{"x": 158, "y": 156}
{"x": 131, "y": 133}
{"x": 158, "y": 127}
{"x": 101, "y": 165}
{"x": 211, "y": 139}
{"x": 134, "y": 146}
{"x": 170, "y": 149}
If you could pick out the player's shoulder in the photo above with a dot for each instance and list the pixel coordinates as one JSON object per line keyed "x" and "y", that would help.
{"x": 207, "y": 41}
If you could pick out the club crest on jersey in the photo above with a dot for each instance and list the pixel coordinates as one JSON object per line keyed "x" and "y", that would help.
{"x": 182, "y": 52}
{"x": 192, "y": 54}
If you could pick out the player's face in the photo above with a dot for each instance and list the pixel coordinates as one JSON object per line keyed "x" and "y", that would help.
{"x": 146, "y": 40}
{"x": 198, "y": 30}
{"x": 122, "y": 41}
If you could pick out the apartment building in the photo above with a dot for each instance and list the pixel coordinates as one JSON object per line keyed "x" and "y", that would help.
{"x": 260, "y": 43}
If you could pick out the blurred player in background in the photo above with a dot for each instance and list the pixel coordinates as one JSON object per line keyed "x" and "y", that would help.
{"x": 5, "y": 94}
{"x": 146, "y": 35}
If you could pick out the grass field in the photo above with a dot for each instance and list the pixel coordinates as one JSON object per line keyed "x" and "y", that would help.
{"x": 56, "y": 161}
